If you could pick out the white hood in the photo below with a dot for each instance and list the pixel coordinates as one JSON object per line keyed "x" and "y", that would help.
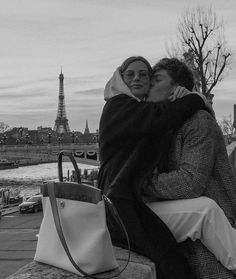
{"x": 116, "y": 86}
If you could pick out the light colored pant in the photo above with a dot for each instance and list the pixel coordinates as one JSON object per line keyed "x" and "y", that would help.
{"x": 200, "y": 218}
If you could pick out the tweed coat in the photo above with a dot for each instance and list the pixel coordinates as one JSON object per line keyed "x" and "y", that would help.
{"x": 199, "y": 166}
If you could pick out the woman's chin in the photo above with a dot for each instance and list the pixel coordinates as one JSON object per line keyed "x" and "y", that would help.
{"x": 139, "y": 94}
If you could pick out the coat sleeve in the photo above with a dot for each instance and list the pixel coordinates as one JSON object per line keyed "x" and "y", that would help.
{"x": 125, "y": 118}
{"x": 196, "y": 162}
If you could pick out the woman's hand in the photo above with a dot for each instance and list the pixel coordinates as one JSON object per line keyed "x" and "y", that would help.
{"x": 171, "y": 94}
{"x": 179, "y": 92}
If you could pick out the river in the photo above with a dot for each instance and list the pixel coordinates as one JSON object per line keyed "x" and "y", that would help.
{"x": 29, "y": 178}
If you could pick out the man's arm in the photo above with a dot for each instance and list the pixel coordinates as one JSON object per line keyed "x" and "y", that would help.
{"x": 196, "y": 162}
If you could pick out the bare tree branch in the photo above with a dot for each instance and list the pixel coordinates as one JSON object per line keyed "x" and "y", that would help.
{"x": 227, "y": 127}
{"x": 206, "y": 67}
{"x": 202, "y": 36}
{"x": 196, "y": 38}
{"x": 206, "y": 56}
{"x": 216, "y": 62}
{"x": 219, "y": 73}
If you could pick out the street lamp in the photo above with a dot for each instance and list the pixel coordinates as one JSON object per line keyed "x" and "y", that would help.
{"x": 73, "y": 137}
{"x": 49, "y": 138}
{"x": 27, "y": 138}
{"x": 59, "y": 140}
{"x": 4, "y": 139}
{"x": 96, "y": 136}
{"x": 21, "y": 132}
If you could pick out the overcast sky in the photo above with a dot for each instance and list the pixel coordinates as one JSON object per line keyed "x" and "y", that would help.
{"x": 89, "y": 39}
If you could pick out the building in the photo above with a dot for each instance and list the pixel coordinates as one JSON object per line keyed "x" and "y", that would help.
{"x": 86, "y": 130}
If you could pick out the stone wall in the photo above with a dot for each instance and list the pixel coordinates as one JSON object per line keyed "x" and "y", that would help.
{"x": 36, "y": 154}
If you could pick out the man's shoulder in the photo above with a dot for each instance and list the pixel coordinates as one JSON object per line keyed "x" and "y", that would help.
{"x": 202, "y": 116}
{"x": 200, "y": 119}
{"x": 116, "y": 102}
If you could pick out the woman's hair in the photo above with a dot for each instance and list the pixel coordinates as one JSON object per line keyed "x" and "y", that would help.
{"x": 132, "y": 59}
{"x": 177, "y": 70}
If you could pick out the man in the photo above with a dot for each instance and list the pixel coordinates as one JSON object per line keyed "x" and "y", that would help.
{"x": 198, "y": 163}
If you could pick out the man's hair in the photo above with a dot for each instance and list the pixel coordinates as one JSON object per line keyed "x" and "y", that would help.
{"x": 132, "y": 59}
{"x": 179, "y": 72}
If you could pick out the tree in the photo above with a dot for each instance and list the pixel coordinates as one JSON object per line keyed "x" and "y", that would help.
{"x": 202, "y": 43}
{"x": 227, "y": 126}
{"x": 4, "y": 127}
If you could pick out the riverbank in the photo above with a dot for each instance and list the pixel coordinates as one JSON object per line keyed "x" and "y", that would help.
{"x": 27, "y": 187}
{"x": 22, "y": 162}
{"x": 28, "y": 179}
{"x": 8, "y": 210}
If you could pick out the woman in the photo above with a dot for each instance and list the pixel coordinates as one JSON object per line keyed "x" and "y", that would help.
{"x": 130, "y": 131}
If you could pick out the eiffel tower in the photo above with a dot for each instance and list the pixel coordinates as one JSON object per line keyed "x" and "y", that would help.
{"x": 61, "y": 122}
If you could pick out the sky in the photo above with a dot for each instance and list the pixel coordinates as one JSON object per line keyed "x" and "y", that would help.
{"x": 89, "y": 39}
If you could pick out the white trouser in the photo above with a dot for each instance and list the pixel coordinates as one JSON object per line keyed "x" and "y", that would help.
{"x": 202, "y": 219}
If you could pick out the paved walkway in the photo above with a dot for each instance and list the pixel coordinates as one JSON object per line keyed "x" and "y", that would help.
{"x": 18, "y": 240}
{"x": 9, "y": 210}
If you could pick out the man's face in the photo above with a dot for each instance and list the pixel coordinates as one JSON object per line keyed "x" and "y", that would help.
{"x": 162, "y": 86}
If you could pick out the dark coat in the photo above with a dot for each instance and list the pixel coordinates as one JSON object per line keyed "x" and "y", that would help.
{"x": 132, "y": 140}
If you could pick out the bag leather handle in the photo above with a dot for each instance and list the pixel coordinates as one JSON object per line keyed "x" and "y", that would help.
{"x": 52, "y": 197}
{"x": 70, "y": 155}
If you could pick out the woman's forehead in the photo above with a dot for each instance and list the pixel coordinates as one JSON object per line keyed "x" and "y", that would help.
{"x": 137, "y": 65}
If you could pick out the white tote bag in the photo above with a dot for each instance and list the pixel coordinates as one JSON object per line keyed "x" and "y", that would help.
{"x": 73, "y": 233}
{"x": 85, "y": 231}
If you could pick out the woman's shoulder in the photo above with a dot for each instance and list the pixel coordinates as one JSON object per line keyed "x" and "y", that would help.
{"x": 115, "y": 104}
{"x": 118, "y": 98}
{"x": 121, "y": 101}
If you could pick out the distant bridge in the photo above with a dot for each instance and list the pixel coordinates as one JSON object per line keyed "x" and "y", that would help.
{"x": 30, "y": 154}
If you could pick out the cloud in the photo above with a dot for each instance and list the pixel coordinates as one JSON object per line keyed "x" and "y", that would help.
{"x": 89, "y": 39}
{"x": 94, "y": 93}
{"x": 6, "y": 87}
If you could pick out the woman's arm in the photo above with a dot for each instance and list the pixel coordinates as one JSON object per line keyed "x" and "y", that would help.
{"x": 124, "y": 118}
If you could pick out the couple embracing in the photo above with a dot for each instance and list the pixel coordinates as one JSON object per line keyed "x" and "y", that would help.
{"x": 164, "y": 165}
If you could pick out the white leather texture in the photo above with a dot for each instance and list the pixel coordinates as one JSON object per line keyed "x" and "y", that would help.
{"x": 85, "y": 230}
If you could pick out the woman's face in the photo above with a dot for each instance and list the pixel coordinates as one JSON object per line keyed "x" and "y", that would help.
{"x": 137, "y": 78}
{"x": 162, "y": 86}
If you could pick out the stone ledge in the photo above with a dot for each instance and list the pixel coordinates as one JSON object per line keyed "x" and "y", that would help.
{"x": 139, "y": 267}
